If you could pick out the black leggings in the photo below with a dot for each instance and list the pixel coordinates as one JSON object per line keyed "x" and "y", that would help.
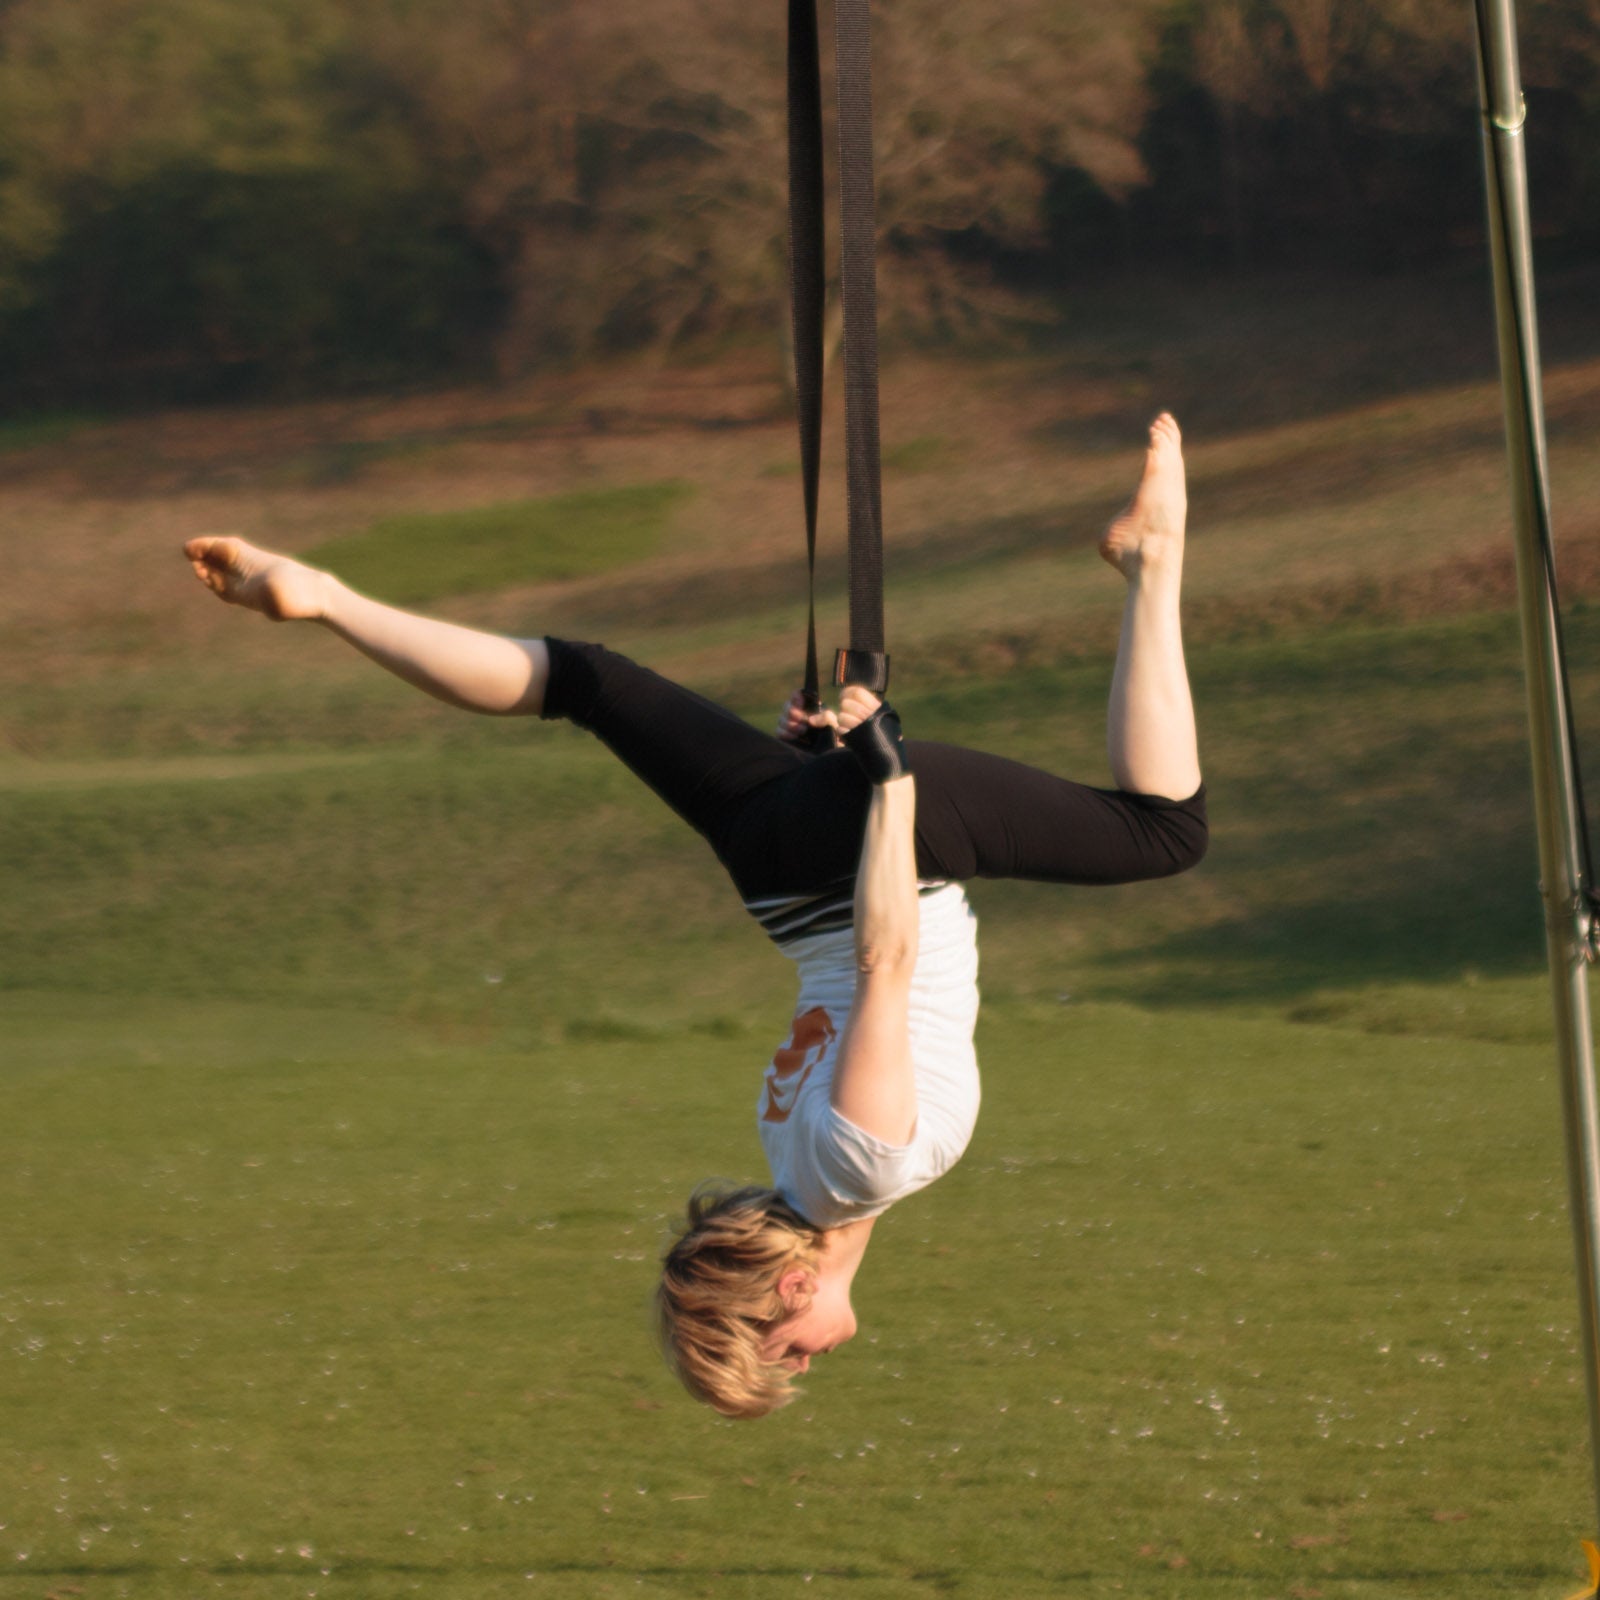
{"x": 786, "y": 822}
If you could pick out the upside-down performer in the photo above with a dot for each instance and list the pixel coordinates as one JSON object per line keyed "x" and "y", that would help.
{"x": 851, "y": 859}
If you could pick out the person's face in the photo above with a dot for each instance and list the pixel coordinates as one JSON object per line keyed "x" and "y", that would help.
{"x": 819, "y": 1325}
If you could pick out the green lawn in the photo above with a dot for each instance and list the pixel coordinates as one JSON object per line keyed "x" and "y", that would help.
{"x": 352, "y": 1094}
{"x": 418, "y": 557}
{"x": 357, "y": 1055}
{"x": 1214, "y": 1305}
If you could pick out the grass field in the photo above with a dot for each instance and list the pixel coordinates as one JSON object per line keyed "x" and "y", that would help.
{"x": 358, "y": 1053}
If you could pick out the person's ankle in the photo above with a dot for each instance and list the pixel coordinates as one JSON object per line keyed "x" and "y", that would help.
{"x": 325, "y": 593}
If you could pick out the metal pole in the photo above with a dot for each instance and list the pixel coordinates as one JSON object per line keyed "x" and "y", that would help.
{"x": 1555, "y": 787}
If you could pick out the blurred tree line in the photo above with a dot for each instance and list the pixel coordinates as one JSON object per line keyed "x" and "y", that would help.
{"x": 202, "y": 197}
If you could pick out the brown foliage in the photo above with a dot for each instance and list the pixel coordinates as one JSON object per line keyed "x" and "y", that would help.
{"x": 626, "y": 163}
{"x": 564, "y": 176}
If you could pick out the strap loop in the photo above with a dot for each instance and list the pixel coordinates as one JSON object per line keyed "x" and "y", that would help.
{"x": 868, "y": 669}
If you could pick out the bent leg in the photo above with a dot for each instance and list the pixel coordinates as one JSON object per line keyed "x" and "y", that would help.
{"x": 978, "y": 816}
{"x": 983, "y": 816}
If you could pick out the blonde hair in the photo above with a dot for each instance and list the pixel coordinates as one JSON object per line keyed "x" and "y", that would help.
{"x": 718, "y": 1298}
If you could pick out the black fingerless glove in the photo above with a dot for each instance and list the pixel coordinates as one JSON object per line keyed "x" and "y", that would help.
{"x": 878, "y": 746}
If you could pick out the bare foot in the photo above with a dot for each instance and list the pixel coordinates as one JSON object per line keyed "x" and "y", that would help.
{"x": 244, "y": 575}
{"x": 1149, "y": 533}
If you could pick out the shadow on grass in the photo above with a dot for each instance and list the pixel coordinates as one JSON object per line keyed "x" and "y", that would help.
{"x": 1338, "y": 943}
{"x": 1469, "y": 910}
{"x": 946, "y": 550}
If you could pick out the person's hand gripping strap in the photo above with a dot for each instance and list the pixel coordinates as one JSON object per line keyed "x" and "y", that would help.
{"x": 879, "y": 747}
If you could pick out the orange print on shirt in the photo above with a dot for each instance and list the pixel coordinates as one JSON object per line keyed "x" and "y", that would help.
{"x": 808, "y": 1044}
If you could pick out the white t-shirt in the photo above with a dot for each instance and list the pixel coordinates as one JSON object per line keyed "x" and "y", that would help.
{"x": 828, "y": 1169}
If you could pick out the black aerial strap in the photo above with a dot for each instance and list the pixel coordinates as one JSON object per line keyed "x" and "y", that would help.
{"x": 865, "y": 661}
{"x": 807, "y": 286}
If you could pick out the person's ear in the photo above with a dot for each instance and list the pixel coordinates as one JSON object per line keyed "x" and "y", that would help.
{"x": 796, "y": 1288}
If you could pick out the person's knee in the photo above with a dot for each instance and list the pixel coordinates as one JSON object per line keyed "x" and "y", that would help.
{"x": 1193, "y": 842}
{"x": 1178, "y": 832}
{"x": 575, "y": 682}
{"x": 1188, "y": 835}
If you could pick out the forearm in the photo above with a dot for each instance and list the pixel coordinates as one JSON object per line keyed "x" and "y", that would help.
{"x": 874, "y": 1079}
{"x": 476, "y": 671}
{"x": 887, "y": 913}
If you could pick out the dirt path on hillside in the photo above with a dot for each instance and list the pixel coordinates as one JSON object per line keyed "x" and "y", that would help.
{"x": 1396, "y": 508}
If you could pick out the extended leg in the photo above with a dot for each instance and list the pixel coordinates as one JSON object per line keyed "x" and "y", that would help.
{"x": 1150, "y": 732}
{"x": 705, "y": 762}
{"x": 476, "y": 671}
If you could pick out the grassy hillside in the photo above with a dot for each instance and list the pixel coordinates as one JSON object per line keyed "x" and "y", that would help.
{"x": 358, "y": 1051}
